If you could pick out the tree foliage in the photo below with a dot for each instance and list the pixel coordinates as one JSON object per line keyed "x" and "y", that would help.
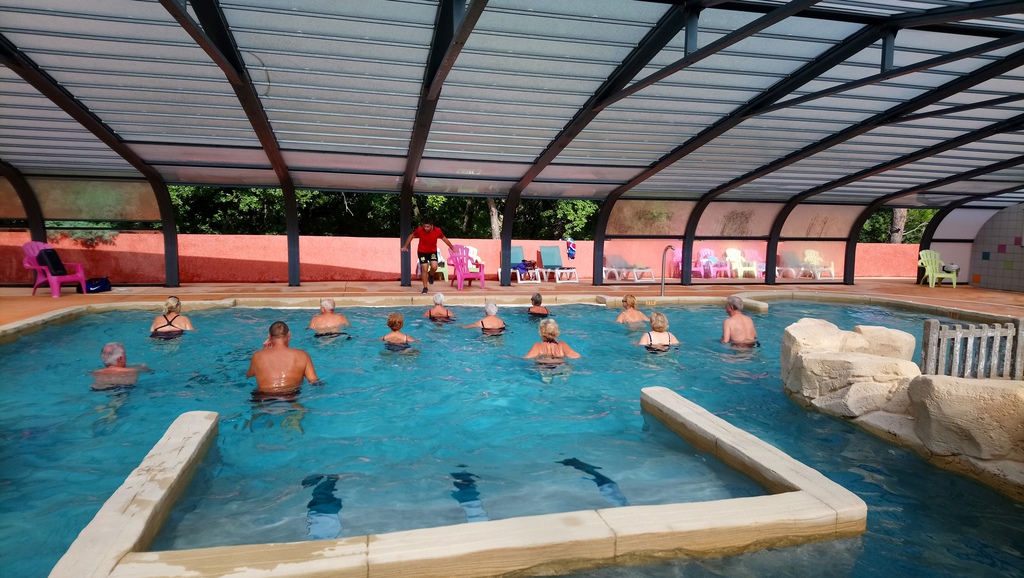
{"x": 877, "y": 229}
{"x": 233, "y": 211}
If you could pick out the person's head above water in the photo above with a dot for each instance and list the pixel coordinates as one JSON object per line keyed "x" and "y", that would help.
{"x": 548, "y": 330}
{"x": 536, "y": 300}
{"x": 114, "y": 355}
{"x": 659, "y": 322}
{"x": 438, "y": 298}
{"x": 491, "y": 308}
{"x": 629, "y": 302}
{"x": 172, "y": 305}
{"x": 734, "y": 301}
{"x": 327, "y": 305}
{"x": 279, "y": 330}
{"x": 395, "y": 321}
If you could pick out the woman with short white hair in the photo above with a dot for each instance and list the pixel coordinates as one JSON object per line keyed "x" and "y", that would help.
{"x": 438, "y": 311}
{"x": 490, "y": 324}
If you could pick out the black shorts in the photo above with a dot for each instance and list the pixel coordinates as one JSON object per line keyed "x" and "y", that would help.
{"x": 427, "y": 257}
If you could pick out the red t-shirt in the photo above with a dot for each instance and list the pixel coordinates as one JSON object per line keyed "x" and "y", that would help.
{"x": 428, "y": 240}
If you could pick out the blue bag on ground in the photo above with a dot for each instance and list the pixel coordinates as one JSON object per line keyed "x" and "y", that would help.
{"x": 96, "y": 285}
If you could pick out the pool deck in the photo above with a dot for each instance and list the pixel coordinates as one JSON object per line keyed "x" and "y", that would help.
{"x": 17, "y": 303}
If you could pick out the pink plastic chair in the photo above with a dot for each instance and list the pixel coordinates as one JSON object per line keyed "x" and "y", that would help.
{"x": 43, "y": 275}
{"x": 459, "y": 262}
{"x": 711, "y": 264}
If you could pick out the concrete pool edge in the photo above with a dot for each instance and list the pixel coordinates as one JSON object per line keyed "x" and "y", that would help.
{"x": 804, "y": 506}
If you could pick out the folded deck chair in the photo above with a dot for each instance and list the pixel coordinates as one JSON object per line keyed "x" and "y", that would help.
{"x": 49, "y": 269}
{"x": 551, "y": 261}
{"x": 933, "y": 269}
{"x": 531, "y": 275}
{"x": 621, "y": 269}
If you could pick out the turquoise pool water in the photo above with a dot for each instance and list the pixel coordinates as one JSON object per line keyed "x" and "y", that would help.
{"x": 463, "y": 431}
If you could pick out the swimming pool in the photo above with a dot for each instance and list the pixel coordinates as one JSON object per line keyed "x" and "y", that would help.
{"x": 57, "y": 478}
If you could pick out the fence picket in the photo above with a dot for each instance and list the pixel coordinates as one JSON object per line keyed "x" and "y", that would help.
{"x": 961, "y": 351}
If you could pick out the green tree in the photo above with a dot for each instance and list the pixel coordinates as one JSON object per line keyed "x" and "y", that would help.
{"x": 877, "y": 229}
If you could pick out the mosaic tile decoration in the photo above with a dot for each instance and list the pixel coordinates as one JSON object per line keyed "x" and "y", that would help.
{"x": 996, "y": 262}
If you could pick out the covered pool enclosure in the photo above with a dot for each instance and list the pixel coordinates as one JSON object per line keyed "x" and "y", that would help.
{"x": 778, "y": 127}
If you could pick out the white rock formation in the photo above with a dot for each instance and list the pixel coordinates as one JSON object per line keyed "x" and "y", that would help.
{"x": 972, "y": 426}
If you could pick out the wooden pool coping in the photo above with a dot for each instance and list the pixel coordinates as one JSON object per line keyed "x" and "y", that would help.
{"x": 803, "y": 505}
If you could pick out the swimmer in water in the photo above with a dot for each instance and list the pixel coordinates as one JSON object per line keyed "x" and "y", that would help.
{"x": 490, "y": 324}
{"x": 396, "y": 340}
{"x": 738, "y": 329}
{"x": 438, "y": 311}
{"x": 549, "y": 350}
{"x": 658, "y": 339}
{"x": 327, "y": 323}
{"x": 116, "y": 372}
{"x": 278, "y": 368}
{"x": 630, "y": 314}
{"x": 538, "y": 310}
{"x": 172, "y": 323}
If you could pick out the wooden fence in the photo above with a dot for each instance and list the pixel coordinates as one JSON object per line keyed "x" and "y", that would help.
{"x": 975, "y": 351}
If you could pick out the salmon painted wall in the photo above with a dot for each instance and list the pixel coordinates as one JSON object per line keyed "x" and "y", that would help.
{"x": 138, "y": 257}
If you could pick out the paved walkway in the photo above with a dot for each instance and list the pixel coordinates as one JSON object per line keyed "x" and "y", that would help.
{"x": 17, "y": 303}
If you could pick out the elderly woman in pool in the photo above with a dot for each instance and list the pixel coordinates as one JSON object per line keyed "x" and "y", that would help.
{"x": 658, "y": 338}
{"x": 491, "y": 324}
{"x": 550, "y": 349}
{"x": 172, "y": 323}
{"x": 630, "y": 314}
{"x": 396, "y": 337}
{"x": 438, "y": 311}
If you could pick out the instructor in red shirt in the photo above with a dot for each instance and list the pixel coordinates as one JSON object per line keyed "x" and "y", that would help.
{"x": 428, "y": 235}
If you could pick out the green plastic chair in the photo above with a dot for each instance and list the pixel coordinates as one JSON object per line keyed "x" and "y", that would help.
{"x": 933, "y": 272}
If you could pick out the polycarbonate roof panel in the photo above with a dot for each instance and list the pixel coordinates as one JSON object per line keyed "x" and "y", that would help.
{"x": 525, "y": 71}
{"x": 124, "y": 52}
{"x": 341, "y": 83}
{"x": 346, "y": 182}
{"x": 341, "y": 77}
{"x": 37, "y": 137}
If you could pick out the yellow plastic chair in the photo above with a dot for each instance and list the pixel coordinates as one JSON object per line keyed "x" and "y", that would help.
{"x": 740, "y": 266}
{"x": 933, "y": 265}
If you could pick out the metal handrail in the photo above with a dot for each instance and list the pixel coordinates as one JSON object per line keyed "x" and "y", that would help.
{"x": 664, "y": 255}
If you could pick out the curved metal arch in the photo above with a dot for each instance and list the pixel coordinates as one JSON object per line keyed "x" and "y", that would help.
{"x": 1009, "y": 125}
{"x": 24, "y": 67}
{"x": 933, "y": 225}
{"x": 29, "y": 201}
{"x": 858, "y": 224}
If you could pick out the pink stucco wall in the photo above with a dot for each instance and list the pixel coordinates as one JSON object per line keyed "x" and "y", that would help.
{"x": 138, "y": 257}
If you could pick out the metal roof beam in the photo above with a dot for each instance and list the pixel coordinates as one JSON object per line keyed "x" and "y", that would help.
{"x": 945, "y": 15}
{"x": 947, "y": 24}
{"x": 452, "y": 27}
{"x": 960, "y": 84}
{"x": 770, "y": 19}
{"x": 212, "y": 34}
{"x": 24, "y": 67}
{"x": 1010, "y": 125}
{"x": 858, "y": 224}
{"x": 902, "y": 71}
{"x": 674, "y": 19}
{"x": 962, "y": 108}
{"x": 810, "y": 71}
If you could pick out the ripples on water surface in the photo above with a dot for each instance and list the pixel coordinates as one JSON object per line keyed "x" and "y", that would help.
{"x": 465, "y": 430}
